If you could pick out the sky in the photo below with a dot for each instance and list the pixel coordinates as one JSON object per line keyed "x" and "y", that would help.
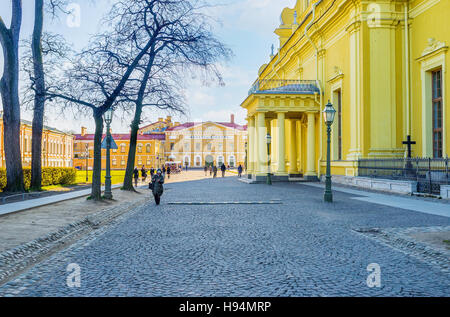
{"x": 246, "y": 26}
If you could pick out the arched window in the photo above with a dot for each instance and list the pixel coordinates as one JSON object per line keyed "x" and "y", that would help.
{"x": 148, "y": 148}
{"x": 123, "y": 148}
{"x": 198, "y": 161}
{"x": 232, "y": 161}
{"x": 220, "y": 160}
{"x": 140, "y": 148}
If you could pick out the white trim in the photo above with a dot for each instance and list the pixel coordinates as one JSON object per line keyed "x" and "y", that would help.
{"x": 428, "y": 64}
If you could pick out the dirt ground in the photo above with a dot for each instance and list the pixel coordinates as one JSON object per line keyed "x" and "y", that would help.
{"x": 434, "y": 238}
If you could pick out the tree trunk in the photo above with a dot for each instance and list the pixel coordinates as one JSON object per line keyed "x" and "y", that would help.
{"x": 39, "y": 99}
{"x": 96, "y": 191}
{"x": 128, "y": 179}
{"x": 9, "y": 89}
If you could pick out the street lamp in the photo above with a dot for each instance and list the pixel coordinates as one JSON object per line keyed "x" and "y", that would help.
{"x": 246, "y": 145}
{"x": 86, "y": 156}
{"x": 268, "y": 141}
{"x": 328, "y": 116}
{"x": 108, "y": 115}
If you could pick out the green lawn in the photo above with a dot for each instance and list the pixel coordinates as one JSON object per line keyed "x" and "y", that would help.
{"x": 117, "y": 177}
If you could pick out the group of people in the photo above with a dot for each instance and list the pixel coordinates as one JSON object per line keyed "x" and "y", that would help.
{"x": 213, "y": 170}
{"x": 157, "y": 180}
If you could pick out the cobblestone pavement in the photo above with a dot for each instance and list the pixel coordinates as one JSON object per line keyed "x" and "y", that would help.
{"x": 301, "y": 247}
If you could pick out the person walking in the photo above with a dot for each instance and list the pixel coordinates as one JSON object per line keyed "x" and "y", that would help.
{"x": 164, "y": 171}
{"x": 214, "y": 171}
{"x": 157, "y": 186}
{"x": 143, "y": 173}
{"x": 240, "y": 170}
{"x": 223, "y": 169}
{"x": 135, "y": 176}
{"x": 168, "y": 172}
{"x": 206, "y": 170}
{"x": 210, "y": 170}
{"x": 152, "y": 172}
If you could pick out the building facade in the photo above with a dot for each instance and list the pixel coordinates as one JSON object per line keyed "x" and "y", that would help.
{"x": 149, "y": 151}
{"x": 382, "y": 64}
{"x": 57, "y": 146}
{"x": 197, "y": 144}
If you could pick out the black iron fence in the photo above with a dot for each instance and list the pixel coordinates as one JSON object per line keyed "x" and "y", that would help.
{"x": 429, "y": 173}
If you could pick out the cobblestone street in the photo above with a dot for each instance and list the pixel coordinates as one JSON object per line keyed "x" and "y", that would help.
{"x": 286, "y": 243}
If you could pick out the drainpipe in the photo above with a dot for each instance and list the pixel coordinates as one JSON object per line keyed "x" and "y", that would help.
{"x": 407, "y": 73}
{"x": 317, "y": 80}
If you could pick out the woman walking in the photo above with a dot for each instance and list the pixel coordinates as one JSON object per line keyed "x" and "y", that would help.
{"x": 157, "y": 186}
{"x": 136, "y": 176}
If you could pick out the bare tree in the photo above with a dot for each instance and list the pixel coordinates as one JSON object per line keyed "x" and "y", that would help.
{"x": 38, "y": 82}
{"x": 94, "y": 81}
{"x": 183, "y": 41}
{"x": 153, "y": 90}
{"x": 9, "y": 88}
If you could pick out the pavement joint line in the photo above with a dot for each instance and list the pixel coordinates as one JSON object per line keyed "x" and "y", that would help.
{"x": 227, "y": 203}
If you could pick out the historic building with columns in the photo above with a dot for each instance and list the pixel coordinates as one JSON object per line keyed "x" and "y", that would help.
{"x": 382, "y": 64}
{"x": 197, "y": 144}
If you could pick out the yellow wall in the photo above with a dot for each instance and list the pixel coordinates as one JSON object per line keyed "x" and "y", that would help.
{"x": 361, "y": 52}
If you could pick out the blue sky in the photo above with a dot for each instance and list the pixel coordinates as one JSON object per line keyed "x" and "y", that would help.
{"x": 246, "y": 27}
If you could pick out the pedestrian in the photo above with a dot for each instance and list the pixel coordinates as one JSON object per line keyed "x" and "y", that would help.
{"x": 152, "y": 172}
{"x": 157, "y": 186}
{"x": 186, "y": 166}
{"x": 210, "y": 170}
{"x": 143, "y": 173}
{"x": 206, "y": 170}
{"x": 214, "y": 171}
{"x": 223, "y": 168}
{"x": 164, "y": 171}
{"x": 240, "y": 170}
{"x": 135, "y": 176}
{"x": 168, "y": 171}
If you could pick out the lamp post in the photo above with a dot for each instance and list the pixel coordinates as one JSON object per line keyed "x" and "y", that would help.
{"x": 268, "y": 141}
{"x": 246, "y": 158}
{"x": 86, "y": 156}
{"x": 328, "y": 117}
{"x": 108, "y": 118}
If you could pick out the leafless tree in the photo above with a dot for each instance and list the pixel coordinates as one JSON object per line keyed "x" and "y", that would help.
{"x": 38, "y": 83}
{"x": 183, "y": 42}
{"x": 9, "y": 88}
{"x": 94, "y": 80}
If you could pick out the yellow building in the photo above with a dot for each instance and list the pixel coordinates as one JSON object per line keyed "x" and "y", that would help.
{"x": 197, "y": 144}
{"x": 150, "y": 149}
{"x": 57, "y": 146}
{"x": 386, "y": 82}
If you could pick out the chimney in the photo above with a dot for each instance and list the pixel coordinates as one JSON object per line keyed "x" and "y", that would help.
{"x": 232, "y": 118}
{"x": 169, "y": 119}
{"x": 160, "y": 119}
{"x": 83, "y": 131}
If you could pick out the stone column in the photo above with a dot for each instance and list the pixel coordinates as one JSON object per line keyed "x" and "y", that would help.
{"x": 261, "y": 144}
{"x": 250, "y": 145}
{"x": 293, "y": 148}
{"x": 281, "y": 151}
{"x": 311, "y": 147}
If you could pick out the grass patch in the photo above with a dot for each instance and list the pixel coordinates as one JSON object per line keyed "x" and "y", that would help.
{"x": 116, "y": 177}
{"x": 446, "y": 242}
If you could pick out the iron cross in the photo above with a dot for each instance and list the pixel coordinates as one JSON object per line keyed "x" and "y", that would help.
{"x": 408, "y": 142}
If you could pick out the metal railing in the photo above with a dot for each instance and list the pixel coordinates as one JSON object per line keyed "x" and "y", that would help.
{"x": 284, "y": 86}
{"x": 429, "y": 173}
